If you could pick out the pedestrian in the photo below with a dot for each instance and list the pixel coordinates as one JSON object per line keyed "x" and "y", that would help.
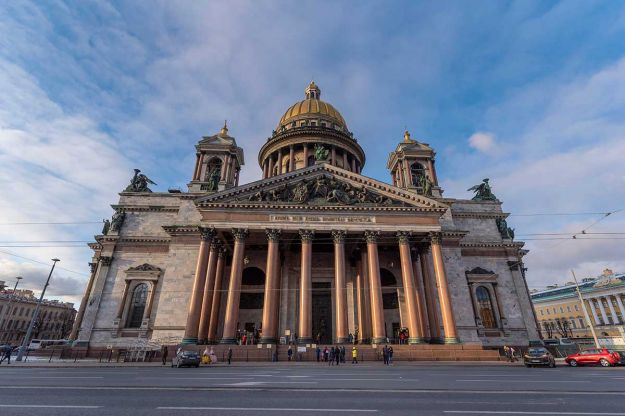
{"x": 229, "y": 355}
{"x": 385, "y": 354}
{"x": 212, "y": 356}
{"x": 354, "y": 355}
{"x": 390, "y": 355}
{"x": 244, "y": 339}
{"x": 6, "y": 354}
{"x": 206, "y": 356}
{"x": 337, "y": 354}
{"x": 318, "y": 352}
{"x": 512, "y": 356}
{"x": 326, "y": 354}
{"x": 164, "y": 354}
{"x": 342, "y": 354}
{"x": 331, "y": 356}
{"x": 289, "y": 353}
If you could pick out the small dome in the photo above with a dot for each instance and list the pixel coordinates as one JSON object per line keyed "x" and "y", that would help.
{"x": 312, "y": 108}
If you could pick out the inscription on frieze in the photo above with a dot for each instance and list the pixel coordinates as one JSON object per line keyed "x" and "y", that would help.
{"x": 322, "y": 219}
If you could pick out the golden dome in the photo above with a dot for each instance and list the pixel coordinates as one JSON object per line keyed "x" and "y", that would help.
{"x": 312, "y": 108}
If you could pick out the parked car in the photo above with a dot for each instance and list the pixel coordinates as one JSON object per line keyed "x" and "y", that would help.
{"x": 186, "y": 359}
{"x": 602, "y": 356}
{"x": 539, "y": 356}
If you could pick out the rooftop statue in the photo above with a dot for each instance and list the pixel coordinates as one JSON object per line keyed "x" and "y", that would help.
{"x": 483, "y": 192}
{"x": 213, "y": 179}
{"x": 321, "y": 153}
{"x": 139, "y": 183}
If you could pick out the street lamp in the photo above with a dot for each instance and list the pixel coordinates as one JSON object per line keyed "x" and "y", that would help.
{"x": 26, "y": 340}
{"x": 6, "y": 310}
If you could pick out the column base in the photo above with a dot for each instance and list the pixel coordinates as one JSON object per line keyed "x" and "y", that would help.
{"x": 229, "y": 341}
{"x": 419, "y": 340}
{"x": 189, "y": 340}
{"x": 304, "y": 341}
{"x": 267, "y": 340}
{"x": 379, "y": 340}
{"x": 449, "y": 340}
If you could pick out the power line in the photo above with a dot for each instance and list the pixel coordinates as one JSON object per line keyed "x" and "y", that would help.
{"x": 40, "y": 262}
{"x": 50, "y": 223}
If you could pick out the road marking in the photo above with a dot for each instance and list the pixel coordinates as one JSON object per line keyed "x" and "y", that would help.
{"x": 533, "y": 381}
{"x": 260, "y": 383}
{"x": 49, "y": 406}
{"x": 61, "y": 377}
{"x": 271, "y": 409}
{"x": 502, "y": 412}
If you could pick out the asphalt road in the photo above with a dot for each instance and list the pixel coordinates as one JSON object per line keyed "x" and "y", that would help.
{"x": 368, "y": 388}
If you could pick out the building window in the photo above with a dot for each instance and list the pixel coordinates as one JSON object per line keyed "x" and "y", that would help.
{"x": 576, "y": 308}
{"x": 389, "y": 289}
{"x": 541, "y": 312}
{"x": 486, "y": 311}
{"x": 213, "y": 167}
{"x": 548, "y": 312}
{"x": 252, "y": 296}
{"x": 554, "y": 311}
{"x": 417, "y": 172}
{"x": 568, "y": 309}
{"x": 581, "y": 323}
{"x": 137, "y": 306}
{"x": 561, "y": 309}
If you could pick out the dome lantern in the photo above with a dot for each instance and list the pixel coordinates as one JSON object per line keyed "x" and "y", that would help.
{"x": 312, "y": 91}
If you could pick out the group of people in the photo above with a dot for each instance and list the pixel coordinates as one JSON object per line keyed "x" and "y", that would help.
{"x": 335, "y": 355}
{"x": 387, "y": 354}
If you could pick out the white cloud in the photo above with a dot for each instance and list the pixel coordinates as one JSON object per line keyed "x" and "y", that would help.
{"x": 483, "y": 141}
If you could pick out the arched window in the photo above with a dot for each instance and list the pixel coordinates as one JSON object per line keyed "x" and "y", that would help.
{"x": 137, "y": 306}
{"x": 253, "y": 276}
{"x": 417, "y": 172}
{"x": 387, "y": 278}
{"x": 486, "y": 312}
{"x": 214, "y": 165}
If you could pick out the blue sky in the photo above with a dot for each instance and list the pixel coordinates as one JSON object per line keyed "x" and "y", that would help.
{"x": 529, "y": 94}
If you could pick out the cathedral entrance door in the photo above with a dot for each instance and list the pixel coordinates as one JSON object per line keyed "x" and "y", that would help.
{"x": 322, "y": 312}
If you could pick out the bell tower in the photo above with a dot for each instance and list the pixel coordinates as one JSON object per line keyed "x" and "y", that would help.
{"x": 412, "y": 167}
{"x": 218, "y": 163}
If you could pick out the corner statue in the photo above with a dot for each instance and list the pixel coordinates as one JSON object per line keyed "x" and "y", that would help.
{"x": 139, "y": 183}
{"x": 483, "y": 192}
{"x": 321, "y": 153}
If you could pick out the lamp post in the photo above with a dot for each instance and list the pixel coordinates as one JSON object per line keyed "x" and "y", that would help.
{"x": 581, "y": 300}
{"x": 6, "y": 310}
{"x": 26, "y": 340}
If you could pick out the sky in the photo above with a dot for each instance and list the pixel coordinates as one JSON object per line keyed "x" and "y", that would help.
{"x": 530, "y": 94}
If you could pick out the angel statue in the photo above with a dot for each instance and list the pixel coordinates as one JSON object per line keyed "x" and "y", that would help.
{"x": 321, "y": 153}
{"x": 139, "y": 183}
{"x": 483, "y": 192}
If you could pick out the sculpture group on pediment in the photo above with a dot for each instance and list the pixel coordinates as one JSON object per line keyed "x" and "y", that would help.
{"x": 321, "y": 191}
{"x": 139, "y": 183}
{"x": 483, "y": 192}
{"x": 505, "y": 231}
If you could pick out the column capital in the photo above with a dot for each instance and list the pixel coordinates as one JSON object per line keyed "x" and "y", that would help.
{"x": 106, "y": 260}
{"x": 338, "y": 236}
{"x": 215, "y": 245}
{"x": 273, "y": 234}
{"x": 307, "y": 235}
{"x": 436, "y": 237}
{"x": 207, "y": 233}
{"x": 240, "y": 234}
{"x": 371, "y": 236}
{"x": 403, "y": 237}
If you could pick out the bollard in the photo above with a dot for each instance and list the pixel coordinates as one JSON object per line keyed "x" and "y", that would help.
{"x": 100, "y": 359}
{"x": 110, "y": 355}
{"x": 76, "y": 356}
{"x": 51, "y": 354}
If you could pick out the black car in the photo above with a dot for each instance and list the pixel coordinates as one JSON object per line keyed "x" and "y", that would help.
{"x": 539, "y": 356}
{"x": 186, "y": 359}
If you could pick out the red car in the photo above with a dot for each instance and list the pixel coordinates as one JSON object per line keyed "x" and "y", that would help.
{"x": 602, "y": 356}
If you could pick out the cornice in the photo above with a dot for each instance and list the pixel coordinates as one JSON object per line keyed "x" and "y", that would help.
{"x": 493, "y": 244}
{"x": 175, "y": 230}
{"x": 479, "y": 215}
{"x": 145, "y": 208}
{"x": 293, "y": 207}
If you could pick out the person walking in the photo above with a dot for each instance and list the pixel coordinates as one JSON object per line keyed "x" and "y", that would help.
{"x": 6, "y": 354}
{"x": 385, "y": 354}
{"x": 331, "y": 356}
{"x": 289, "y": 353}
{"x": 318, "y": 353}
{"x": 354, "y": 355}
{"x": 229, "y": 355}
{"x": 164, "y": 354}
{"x": 506, "y": 352}
{"x": 512, "y": 356}
{"x": 326, "y": 354}
{"x": 337, "y": 354}
{"x": 343, "y": 354}
{"x": 390, "y": 355}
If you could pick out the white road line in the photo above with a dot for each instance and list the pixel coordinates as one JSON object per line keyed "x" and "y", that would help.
{"x": 259, "y": 383}
{"x": 271, "y": 409}
{"x": 502, "y": 412}
{"x": 526, "y": 381}
{"x": 49, "y": 406}
{"x": 59, "y": 377}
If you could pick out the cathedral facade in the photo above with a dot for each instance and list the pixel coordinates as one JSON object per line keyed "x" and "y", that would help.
{"x": 314, "y": 251}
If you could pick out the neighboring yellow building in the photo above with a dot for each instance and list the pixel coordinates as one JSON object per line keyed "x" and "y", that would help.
{"x": 560, "y": 314}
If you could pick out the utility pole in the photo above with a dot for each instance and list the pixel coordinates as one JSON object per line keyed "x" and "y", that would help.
{"x": 581, "y": 300}
{"x": 8, "y": 308}
{"x": 26, "y": 340}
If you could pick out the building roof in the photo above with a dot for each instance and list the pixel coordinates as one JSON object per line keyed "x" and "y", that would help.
{"x": 312, "y": 106}
{"x": 607, "y": 279}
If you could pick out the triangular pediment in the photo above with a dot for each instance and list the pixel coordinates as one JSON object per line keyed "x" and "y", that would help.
{"x": 321, "y": 186}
